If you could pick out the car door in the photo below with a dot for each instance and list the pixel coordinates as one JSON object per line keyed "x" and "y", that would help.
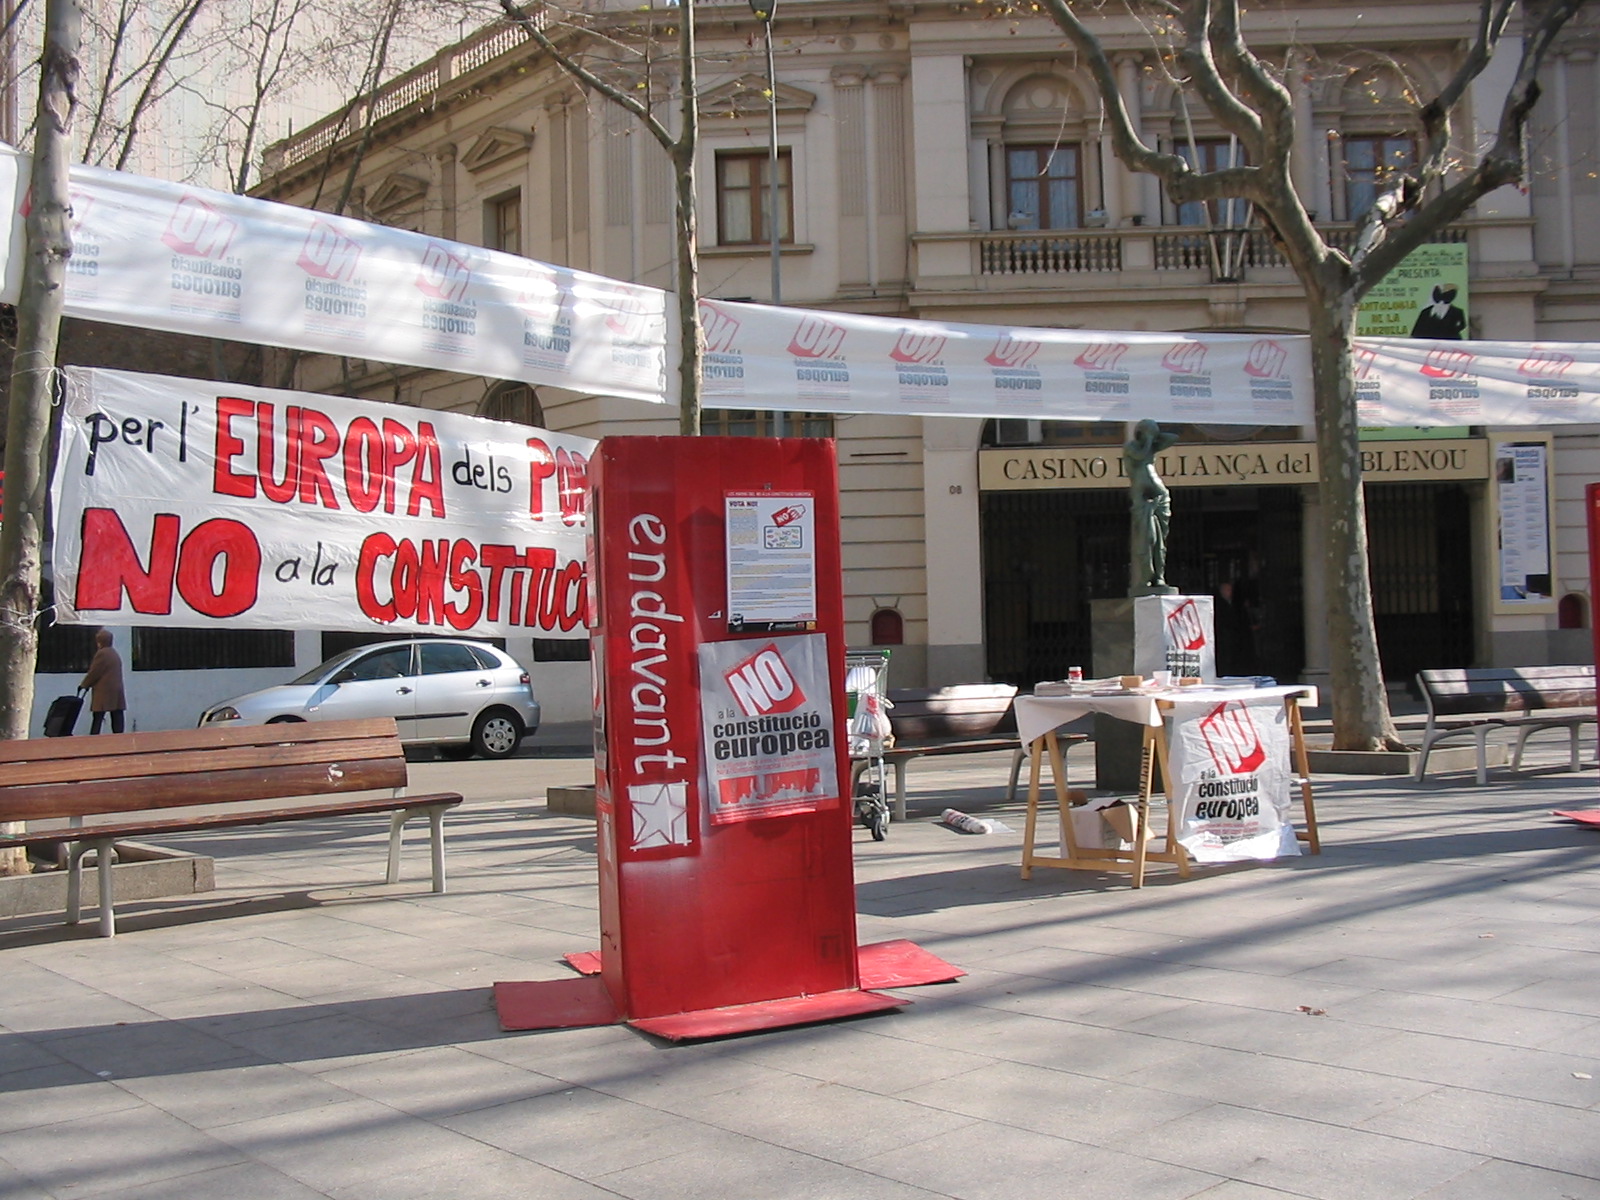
{"x": 452, "y": 689}
{"x": 380, "y": 683}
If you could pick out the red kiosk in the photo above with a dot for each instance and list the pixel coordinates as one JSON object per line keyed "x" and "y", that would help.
{"x": 727, "y": 895}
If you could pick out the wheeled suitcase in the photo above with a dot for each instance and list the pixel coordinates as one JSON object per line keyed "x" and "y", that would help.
{"x": 63, "y": 715}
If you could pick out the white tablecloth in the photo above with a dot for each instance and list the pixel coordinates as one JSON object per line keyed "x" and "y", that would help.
{"x": 1038, "y": 715}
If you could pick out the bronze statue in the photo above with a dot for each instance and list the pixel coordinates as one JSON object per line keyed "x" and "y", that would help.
{"x": 1152, "y": 510}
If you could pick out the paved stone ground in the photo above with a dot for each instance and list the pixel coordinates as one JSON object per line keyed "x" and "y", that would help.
{"x": 1416, "y": 1013}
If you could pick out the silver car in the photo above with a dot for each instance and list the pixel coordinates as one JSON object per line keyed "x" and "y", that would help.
{"x": 464, "y": 697}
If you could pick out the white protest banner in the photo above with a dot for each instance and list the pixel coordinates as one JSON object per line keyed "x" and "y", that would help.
{"x": 766, "y": 714}
{"x": 788, "y": 358}
{"x": 1229, "y": 760}
{"x": 1414, "y": 381}
{"x": 183, "y": 502}
{"x": 165, "y": 256}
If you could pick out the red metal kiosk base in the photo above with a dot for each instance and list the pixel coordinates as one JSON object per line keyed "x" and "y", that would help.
{"x": 899, "y": 963}
{"x": 582, "y": 1002}
{"x": 577, "y": 1003}
{"x": 1587, "y": 816}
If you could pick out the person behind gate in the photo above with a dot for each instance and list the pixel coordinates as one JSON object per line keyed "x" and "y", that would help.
{"x": 104, "y": 681}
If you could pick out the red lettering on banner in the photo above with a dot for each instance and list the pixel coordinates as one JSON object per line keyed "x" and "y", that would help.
{"x": 1266, "y": 360}
{"x": 328, "y": 254}
{"x": 318, "y": 442}
{"x": 110, "y": 566}
{"x": 816, "y": 338}
{"x": 397, "y": 579}
{"x": 1185, "y": 358}
{"x": 763, "y": 684}
{"x": 1231, "y": 739}
{"x": 229, "y": 446}
{"x": 1101, "y": 356}
{"x": 442, "y": 274}
{"x": 1184, "y": 627}
{"x": 541, "y": 465}
{"x": 572, "y": 483}
{"x": 1012, "y": 351}
{"x": 462, "y": 555}
{"x": 363, "y": 465}
{"x": 235, "y": 545}
{"x": 196, "y": 228}
{"x": 364, "y": 461}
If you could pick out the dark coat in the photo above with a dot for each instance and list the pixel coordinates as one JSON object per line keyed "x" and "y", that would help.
{"x": 104, "y": 681}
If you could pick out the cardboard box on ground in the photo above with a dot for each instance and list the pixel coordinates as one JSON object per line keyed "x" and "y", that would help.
{"x": 1106, "y": 822}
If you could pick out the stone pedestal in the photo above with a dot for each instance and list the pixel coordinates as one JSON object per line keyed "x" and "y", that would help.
{"x": 1116, "y": 743}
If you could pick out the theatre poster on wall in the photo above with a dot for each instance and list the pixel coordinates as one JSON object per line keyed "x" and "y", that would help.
{"x": 772, "y": 561}
{"x": 1524, "y": 521}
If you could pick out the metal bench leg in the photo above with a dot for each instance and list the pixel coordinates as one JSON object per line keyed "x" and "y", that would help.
{"x": 1422, "y": 758}
{"x": 1516, "y": 755}
{"x": 1577, "y": 760}
{"x": 105, "y": 855}
{"x": 397, "y": 821}
{"x": 1482, "y": 734}
{"x": 900, "y": 765}
{"x": 436, "y": 829}
{"x": 1018, "y": 757}
{"x": 75, "y": 882}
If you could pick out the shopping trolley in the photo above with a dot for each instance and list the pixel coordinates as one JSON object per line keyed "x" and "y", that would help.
{"x": 866, "y": 686}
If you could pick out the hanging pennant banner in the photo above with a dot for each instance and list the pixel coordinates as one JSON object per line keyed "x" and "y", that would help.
{"x": 181, "y": 502}
{"x": 164, "y": 256}
{"x": 787, "y": 358}
{"x": 1230, "y": 765}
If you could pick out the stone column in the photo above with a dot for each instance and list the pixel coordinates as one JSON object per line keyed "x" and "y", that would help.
{"x": 1131, "y": 183}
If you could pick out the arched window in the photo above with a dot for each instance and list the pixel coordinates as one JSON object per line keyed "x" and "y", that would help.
{"x": 1572, "y": 612}
{"x": 512, "y": 401}
{"x": 888, "y": 627}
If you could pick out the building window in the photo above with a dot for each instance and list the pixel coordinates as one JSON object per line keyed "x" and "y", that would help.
{"x": 1206, "y": 155}
{"x": 1042, "y": 187}
{"x": 502, "y": 223}
{"x": 742, "y": 185}
{"x": 63, "y": 649}
{"x": 168, "y": 649}
{"x": 745, "y": 422}
{"x": 560, "y": 649}
{"x": 514, "y": 402}
{"x": 888, "y": 628}
{"x": 1370, "y": 161}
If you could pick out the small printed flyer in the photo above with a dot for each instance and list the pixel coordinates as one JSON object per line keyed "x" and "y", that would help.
{"x": 772, "y": 561}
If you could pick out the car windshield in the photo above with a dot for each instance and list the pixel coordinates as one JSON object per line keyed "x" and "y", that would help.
{"x": 328, "y": 666}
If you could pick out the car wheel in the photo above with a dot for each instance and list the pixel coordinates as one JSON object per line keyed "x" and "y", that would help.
{"x": 287, "y": 721}
{"x": 497, "y": 734}
{"x": 456, "y": 753}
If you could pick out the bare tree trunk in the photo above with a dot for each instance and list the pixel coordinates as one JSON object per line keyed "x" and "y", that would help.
{"x": 27, "y": 456}
{"x": 1355, "y": 671}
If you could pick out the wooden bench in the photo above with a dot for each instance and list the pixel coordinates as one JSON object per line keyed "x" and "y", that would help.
{"x": 121, "y": 779}
{"x": 967, "y": 718}
{"x": 1478, "y": 701}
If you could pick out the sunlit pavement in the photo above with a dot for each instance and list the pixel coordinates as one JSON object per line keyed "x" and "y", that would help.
{"x": 1415, "y": 1013}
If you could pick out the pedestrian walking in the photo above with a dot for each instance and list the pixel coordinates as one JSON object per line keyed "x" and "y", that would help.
{"x": 104, "y": 681}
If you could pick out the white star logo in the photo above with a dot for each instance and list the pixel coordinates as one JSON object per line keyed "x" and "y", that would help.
{"x": 660, "y": 814}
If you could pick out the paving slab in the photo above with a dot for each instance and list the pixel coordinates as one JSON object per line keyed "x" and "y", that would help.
{"x": 1413, "y": 1015}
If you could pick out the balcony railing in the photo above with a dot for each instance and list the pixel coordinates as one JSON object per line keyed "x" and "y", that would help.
{"x": 1226, "y": 255}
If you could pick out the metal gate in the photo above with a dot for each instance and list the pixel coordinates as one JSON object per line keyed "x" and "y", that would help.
{"x": 1048, "y": 554}
{"x": 1419, "y": 549}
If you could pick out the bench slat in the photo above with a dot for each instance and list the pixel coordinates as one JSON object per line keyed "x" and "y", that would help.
{"x": 107, "y": 744}
{"x": 197, "y": 788}
{"x": 133, "y": 830}
{"x": 94, "y": 771}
